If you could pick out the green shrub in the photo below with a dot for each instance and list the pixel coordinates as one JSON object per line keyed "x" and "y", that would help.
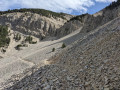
{"x": 79, "y": 17}
{"x": 33, "y": 42}
{"x": 24, "y": 45}
{"x": 28, "y": 39}
{"x": 18, "y": 47}
{"x": 53, "y": 49}
{"x": 3, "y": 50}
{"x": 4, "y": 39}
{"x": 63, "y": 45}
{"x": 17, "y": 37}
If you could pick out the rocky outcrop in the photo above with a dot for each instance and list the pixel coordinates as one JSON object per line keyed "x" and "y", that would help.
{"x": 68, "y": 28}
{"x": 89, "y": 22}
{"x": 100, "y": 18}
{"x": 36, "y": 23}
{"x": 32, "y": 23}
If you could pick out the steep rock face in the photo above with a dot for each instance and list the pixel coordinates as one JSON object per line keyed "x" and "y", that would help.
{"x": 76, "y": 22}
{"x": 100, "y": 18}
{"x": 89, "y": 22}
{"x": 68, "y": 28}
{"x": 32, "y": 24}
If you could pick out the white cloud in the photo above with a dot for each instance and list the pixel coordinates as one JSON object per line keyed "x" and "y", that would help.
{"x": 55, "y": 5}
{"x": 59, "y": 5}
{"x": 105, "y": 1}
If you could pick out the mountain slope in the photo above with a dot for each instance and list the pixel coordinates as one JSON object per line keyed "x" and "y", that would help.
{"x": 92, "y": 22}
{"x": 15, "y": 62}
{"x": 90, "y": 61}
{"x": 36, "y": 22}
{"x": 89, "y": 22}
{"x": 93, "y": 62}
{"x": 71, "y": 25}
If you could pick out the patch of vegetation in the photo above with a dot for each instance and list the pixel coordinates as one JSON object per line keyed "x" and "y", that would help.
{"x": 78, "y": 17}
{"x": 24, "y": 45}
{"x": 17, "y": 37}
{"x": 113, "y": 4}
{"x": 20, "y": 45}
{"x": 29, "y": 39}
{"x": 3, "y": 50}
{"x": 53, "y": 49}
{"x": 33, "y": 42}
{"x": 38, "y": 11}
{"x": 63, "y": 45}
{"x": 4, "y": 39}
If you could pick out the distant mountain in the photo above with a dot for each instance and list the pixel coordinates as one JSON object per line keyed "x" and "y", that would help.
{"x": 42, "y": 12}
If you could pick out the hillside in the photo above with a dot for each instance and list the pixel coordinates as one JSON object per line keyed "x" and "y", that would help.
{"x": 37, "y": 11}
{"x": 56, "y": 51}
{"x": 90, "y": 63}
{"x": 31, "y": 23}
{"x": 37, "y": 24}
{"x": 100, "y": 18}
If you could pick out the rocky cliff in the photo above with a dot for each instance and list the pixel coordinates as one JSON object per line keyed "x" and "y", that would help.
{"x": 100, "y": 18}
{"x": 68, "y": 28}
{"x": 89, "y": 22}
{"x": 34, "y": 24}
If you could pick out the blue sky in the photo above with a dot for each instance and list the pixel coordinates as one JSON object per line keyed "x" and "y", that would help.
{"x": 75, "y": 7}
{"x": 97, "y": 7}
{"x": 93, "y": 9}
